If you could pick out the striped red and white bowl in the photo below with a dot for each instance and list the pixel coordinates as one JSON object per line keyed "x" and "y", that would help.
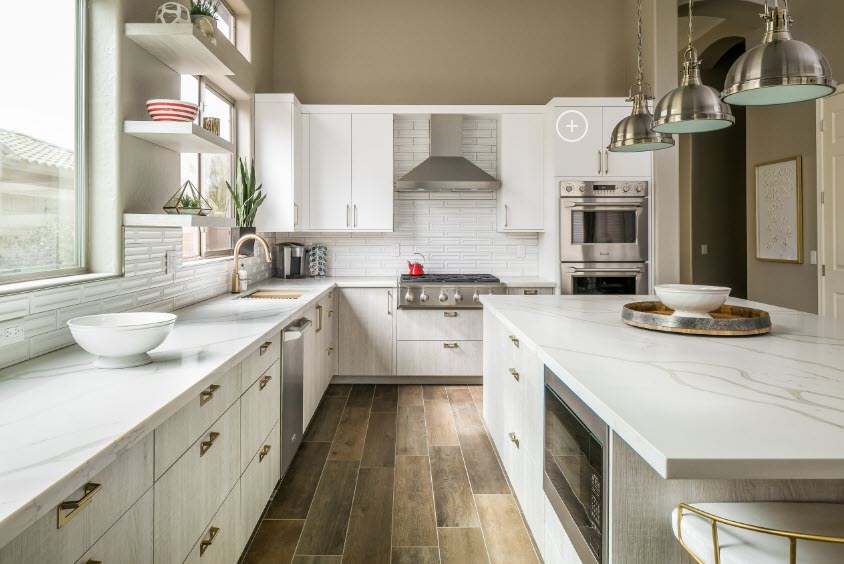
{"x": 171, "y": 110}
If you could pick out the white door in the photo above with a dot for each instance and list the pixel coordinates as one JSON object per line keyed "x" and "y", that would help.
{"x": 330, "y": 168}
{"x": 520, "y": 200}
{"x": 366, "y": 331}
{"x": 372, "y": 172}
{"x": 578, "y": 142}
{"x": 622, "y": 165}
{"x": 832, "y": 222}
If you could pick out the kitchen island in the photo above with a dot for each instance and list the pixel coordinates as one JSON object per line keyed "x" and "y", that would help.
{"x": 691, "y": 418}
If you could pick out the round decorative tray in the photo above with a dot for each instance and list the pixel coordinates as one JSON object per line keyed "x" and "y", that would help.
{"x": 726, "y": 321}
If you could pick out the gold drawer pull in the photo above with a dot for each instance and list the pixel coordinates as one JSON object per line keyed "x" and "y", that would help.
{"x": 212, "y": 534}
{"x": 207, "y": 395}
{"x": 531, "y": 292}
{"x": 262, "y": 383}
{"x": 263, "y": 348}
{"x": 92, "y": 561}
{"x": 449, "y": 314}
{"x": 331, "y": 294}
{"x": 514, "y": 374}
{"x": 204, "y": 446}
{"x": 330, "y": 350}
{"x": 330, "y": 312}
{"x": 69, "y": 509}
{"x": 514, "y": 440}
{"x": 514, "y": 340}
{"x": 450, "y": 345}
{"x": 264, "y": 452}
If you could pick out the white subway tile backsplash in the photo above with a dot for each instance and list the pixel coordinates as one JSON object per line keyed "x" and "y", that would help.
{"x": 44, "y": 300}
{"x": 48, "y": 342}
{"x": 12, "y": 307}
{"x": 67, "y": 313}
{"x": 14, "y": 354}
{"x": 40, "y": 323}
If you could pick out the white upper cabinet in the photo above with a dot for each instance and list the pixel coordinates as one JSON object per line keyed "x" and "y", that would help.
{"x": 520, "y": 152}
{"x": 330, "y": 166}
{"x": 581, "y": 136}
{"x": 372, "y": 172}
{"x": 351, "y": 172}
{"x": 281, "y": 161}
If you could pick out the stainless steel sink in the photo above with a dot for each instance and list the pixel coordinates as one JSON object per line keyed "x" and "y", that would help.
{"x": 272, "y": 295}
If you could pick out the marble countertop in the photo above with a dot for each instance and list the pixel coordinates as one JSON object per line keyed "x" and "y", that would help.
{"x": 62, "y": 420}
{"x": 763, "y": 407}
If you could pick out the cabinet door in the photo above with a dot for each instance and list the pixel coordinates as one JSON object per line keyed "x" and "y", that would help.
{"x": 623, "y": 165}
{"x": 330, "y": 171}
{"x": 301, "y": 150}
{"x": 372, "y": 172}
{"x": 275, "y": 164}
{"x": 578, "y": 142}
{"x": 128, "y": 540}
{"x": 520, "y": 200}
{"x": 366, "y": 331}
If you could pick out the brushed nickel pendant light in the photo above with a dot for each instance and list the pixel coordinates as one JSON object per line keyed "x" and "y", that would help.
{"x": 780, "y": 70}
{"x": 693, "y": 107}
{"x": 635, "y": 132}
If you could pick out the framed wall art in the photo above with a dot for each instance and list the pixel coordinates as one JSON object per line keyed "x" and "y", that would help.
{"x": 779, "y": 211}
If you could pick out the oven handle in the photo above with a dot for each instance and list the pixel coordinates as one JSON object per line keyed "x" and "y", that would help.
{"x": 636, "y": 271}
{"x": 607, "y": 207}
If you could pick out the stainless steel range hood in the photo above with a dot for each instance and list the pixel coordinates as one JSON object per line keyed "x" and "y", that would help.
{"x": 446, "y": 169}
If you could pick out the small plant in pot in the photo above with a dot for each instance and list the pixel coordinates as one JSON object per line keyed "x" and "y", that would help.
{"x": 203, "y": 14}
{"x": 246, "y": 200}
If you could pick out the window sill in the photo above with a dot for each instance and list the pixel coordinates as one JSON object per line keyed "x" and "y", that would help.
{"x": 44, "y": 283}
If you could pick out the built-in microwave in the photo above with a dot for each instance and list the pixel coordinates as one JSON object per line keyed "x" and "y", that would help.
{"x": 577, "y": 469}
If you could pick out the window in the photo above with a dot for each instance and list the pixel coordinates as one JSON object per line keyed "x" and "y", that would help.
{"x": 41, "y": 142}
{"x": 225, "y": 21}
{"x": 209, "y": 172}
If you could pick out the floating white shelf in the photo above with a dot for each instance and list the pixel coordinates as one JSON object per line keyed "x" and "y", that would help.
{"x": 182, "y": 137}
{"x": 174, "y": 220}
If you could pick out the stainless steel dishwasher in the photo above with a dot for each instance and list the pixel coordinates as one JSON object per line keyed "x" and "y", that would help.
{"x": 292, "y": 372}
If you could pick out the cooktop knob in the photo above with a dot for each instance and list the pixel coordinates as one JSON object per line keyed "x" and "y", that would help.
{"x": 423, "y": 297}
{"x": 639, "y": 187}
{"x": 626, "y": 188}
{"x": 443, "y": 297}
{"x": 582, "y": 188}
{"x": 408, "y": 297}
{"x": 458, "y": 297}
{"x": 568, "y": 187}
{"x": 476, "y": 298}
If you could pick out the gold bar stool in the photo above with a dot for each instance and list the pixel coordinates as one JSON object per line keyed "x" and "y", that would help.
{"x": 761, "y": 532}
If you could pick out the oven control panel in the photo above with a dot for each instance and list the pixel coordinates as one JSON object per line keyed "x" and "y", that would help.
{"x": 463, "y": 296}
{"x": 620, "y": 188}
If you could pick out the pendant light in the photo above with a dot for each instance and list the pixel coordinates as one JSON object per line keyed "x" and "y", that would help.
{"x": 693, "y": 107}
{"x": 634, "y": 133}
{"x": 780, "y": 70}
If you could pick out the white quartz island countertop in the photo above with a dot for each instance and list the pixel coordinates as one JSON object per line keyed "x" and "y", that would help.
{"x": 763, "y": 407}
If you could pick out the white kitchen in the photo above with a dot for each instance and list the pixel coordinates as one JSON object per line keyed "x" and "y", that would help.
{"x": 486, "y": 282}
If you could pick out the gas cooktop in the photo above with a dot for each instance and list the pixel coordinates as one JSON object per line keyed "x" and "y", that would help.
{"x": 446, "y": 290}
{"x": 451, "y": 279}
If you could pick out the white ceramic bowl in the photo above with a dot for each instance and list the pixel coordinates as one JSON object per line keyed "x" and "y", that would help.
{"x": 691, "y": 300}
{"x": 121, "y": 340}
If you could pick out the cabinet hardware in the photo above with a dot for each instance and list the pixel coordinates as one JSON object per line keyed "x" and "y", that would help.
{"x": 331, "y": 294}
{"x": 264, "y": 452}
{"x": 67, "y": 510}
{"x": 514, "y": 340}
{"x": 347, "y": 215}
{"x": 389, "y": 303}
{"x": 450, "y": 345}
{"x": 514, "y": 374}
{"x": 330, "y": 350}
{"x": 514, "y": 440}
{"x": 599, "y": 161}
{"x": 449, "y": 314}
{"x": 318, "y": 319}
{"x": 356, "y": 215}
{"x": 606, "y": 162}
{"x": 330, "y": 312}
{"x": 208, "y": 394}
{"x": 531, "y": 292}
{"x": 262, "y": 383}
{"x": 204, "y": 446}
{"x": 263, "y": 348}
{"x": 204, "y": 545}
{"x": 92, "y": 561}
{"x": 506, "y": 216}
{"x": 295, "y": 214}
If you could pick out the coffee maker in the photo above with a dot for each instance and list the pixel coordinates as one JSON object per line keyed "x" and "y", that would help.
{"x": 290, "y": 260}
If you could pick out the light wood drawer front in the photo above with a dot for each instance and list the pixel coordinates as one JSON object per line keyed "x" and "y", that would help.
{"x": 260, "y": 360}
{"x": 259, "y": 410}
{"x": 128, "y": 540}
{"x": 123, "y": 482}
{"x": 179, "y": 432}
{"x": 520, "y": 291}
{"x": 257, "y": 483}
{"x": 440, "y": 325}
{"x": 220, "y": 542}
{"x": 192, "y": 490}
{"x": 440, "y": 358}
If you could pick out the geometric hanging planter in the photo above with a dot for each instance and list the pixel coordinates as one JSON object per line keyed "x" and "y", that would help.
{"x": 187, "y": 201}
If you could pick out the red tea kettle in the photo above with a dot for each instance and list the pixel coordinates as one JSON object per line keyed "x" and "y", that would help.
{"x": 415, "y": 268}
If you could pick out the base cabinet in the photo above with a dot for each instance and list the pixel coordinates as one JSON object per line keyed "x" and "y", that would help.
{"x": 366, "y": 331}
{"x": 222, "y": 541}
{"x": 128, "y": 540}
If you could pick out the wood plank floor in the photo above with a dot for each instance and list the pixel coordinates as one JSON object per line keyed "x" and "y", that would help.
{"x": 382, "y": 478}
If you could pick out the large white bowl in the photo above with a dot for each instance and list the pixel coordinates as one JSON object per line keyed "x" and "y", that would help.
{"x": 692, "y": 300}
{"x": 121, "y": 340}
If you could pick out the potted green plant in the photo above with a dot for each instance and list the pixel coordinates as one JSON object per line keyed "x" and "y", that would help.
{"x": 245, "y": 200}
{"x": 203, "y": 14}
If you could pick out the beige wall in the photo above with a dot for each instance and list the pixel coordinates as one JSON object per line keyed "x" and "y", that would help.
{"x": 452, "y": 52}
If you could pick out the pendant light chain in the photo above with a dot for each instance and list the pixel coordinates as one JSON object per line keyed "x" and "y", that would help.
{"x": 691, "y": 2}
{"x": 640, "y": 76}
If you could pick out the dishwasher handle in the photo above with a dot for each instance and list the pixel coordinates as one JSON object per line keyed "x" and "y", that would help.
{"x": 295, "y": 330}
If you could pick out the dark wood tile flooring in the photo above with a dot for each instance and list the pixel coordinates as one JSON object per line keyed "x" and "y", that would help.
{"x": 394, "y": 474}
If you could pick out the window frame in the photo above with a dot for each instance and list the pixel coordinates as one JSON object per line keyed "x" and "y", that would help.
{"x": 233, "y": 27}
{"x": 80, "y": 156}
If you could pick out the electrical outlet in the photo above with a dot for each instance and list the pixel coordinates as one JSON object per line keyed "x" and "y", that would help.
{"x": 396, "y": 250}
{"x": 704, "y": 249}
{"x": 12, "y": 333}
{"x": 520, "y": 251}
{"x": 172, "y": 262}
